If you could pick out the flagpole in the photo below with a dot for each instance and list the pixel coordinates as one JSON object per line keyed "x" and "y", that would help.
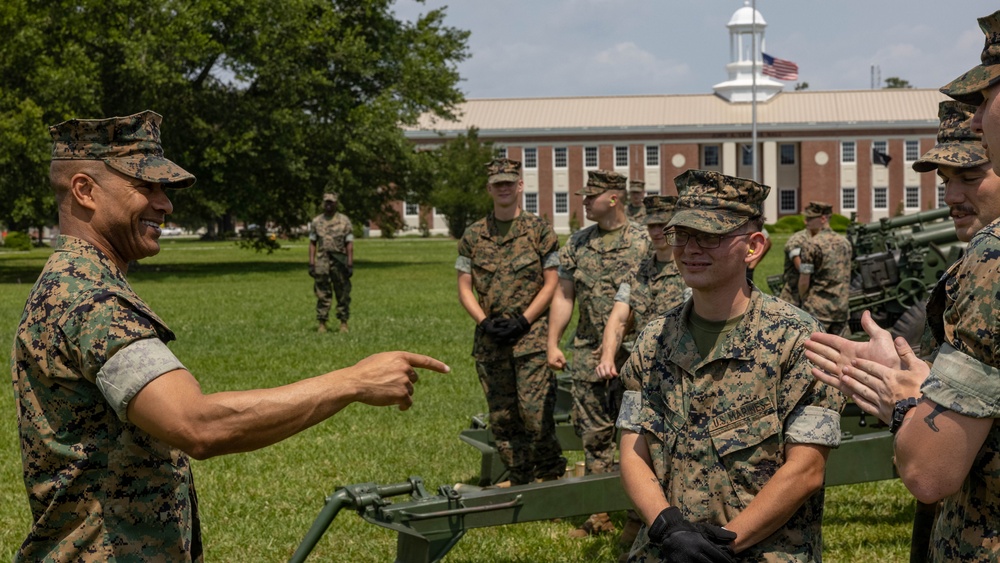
{"x": 753, "y": 90}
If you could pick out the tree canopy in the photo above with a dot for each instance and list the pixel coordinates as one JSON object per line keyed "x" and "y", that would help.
{"x": 897, "y": 82}
{"x": 458, "y": 178}
{"x": 268, "y": 103}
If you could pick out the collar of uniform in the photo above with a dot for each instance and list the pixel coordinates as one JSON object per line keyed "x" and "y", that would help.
{"x": 648, "y": 268}
{"x": 492, "y": 229}
{"x": 736, "y": 345}
{"x": 74, "y": 245}
{"x": 595, "y": 242}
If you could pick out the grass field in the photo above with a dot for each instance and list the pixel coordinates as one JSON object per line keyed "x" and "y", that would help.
{"x": 246, "y": 320}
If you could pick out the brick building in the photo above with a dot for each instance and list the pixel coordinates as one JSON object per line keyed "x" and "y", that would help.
{"x": 810, "y": 145}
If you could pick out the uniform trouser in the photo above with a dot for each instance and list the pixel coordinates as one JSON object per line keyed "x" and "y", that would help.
{"x": 595, "y": 410}
{"x": 324, "y": 285}
{"x": 521, "y": 394}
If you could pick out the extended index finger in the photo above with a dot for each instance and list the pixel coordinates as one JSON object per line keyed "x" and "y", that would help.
{"x": 426, "y": 362}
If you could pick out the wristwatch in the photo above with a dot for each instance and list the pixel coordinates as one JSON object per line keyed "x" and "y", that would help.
{"x": 902, "y": 407}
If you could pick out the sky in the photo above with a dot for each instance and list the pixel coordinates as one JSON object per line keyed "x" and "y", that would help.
{"x": 555, "y": 48}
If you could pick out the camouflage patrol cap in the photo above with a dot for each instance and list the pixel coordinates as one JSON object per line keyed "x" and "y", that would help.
{"x": 130, "y": 145}
{"x": 503, "y": 170}
{"x": 969, "y": 87}
{"x": 600, "y": 181}
{"x": 659, "y": 209}
{"x": 818, "y": 209}
{"x": 711, "y": 202}
{"x": 956, "y": 144}
{"x": 329, "y": 196}
{"x": 636, "y": 186}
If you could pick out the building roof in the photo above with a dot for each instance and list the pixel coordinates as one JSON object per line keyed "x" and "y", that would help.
{"x": 804, "y": 110}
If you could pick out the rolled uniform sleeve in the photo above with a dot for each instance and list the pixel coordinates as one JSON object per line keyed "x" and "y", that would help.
{"x": 630, "y": 414}
{"x": 551, "y": 260}
{"x": 963, "y": 384}
{"x": 463, "y": 264}
{"x": 128, "y": 371}
{"x": 624, "y": 293}
{"x": 809, "y": 424}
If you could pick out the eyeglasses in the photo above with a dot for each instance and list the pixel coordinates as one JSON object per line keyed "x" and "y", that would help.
{"x": 704, "y": 240}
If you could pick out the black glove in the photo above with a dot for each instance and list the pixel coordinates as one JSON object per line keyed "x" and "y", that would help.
{"x": 510, "y": 331}
{"x": 681, "y": 541}
{"x": 312, "y": 271}
{"x": 350, "y": 271}
{"x": 487, "y": 327}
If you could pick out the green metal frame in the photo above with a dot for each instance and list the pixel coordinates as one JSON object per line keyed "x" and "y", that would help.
{"x": 428, "y": 526}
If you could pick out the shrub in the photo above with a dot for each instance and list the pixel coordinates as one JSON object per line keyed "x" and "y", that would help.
{"x": 787, "y": 224}
{"x": 16, "y": 240}
{"x": 839, "y": 223}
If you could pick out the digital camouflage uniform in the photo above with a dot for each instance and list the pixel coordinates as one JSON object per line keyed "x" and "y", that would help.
{"x": 826, "y": 257}
{"x": 597, "y": 272}
{"x": 636, "y": 213}
{"x": 650, "y": 291}
{"x": 717, "y": 427}
{"x": 332, "y": 235}
{"x": 507, "y": 274}
{"x": 790, "y": 274}
{"x": 965, "y": 376}
{"x": 964, "y": 315}
{"x": 100, "y": 488}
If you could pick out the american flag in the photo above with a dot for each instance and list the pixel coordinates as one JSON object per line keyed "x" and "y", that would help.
{"x": 780, "y": 68}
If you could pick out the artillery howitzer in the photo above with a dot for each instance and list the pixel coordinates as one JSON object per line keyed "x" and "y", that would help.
{"x": 429, "y": 525}
{"x": 895, "y": 263}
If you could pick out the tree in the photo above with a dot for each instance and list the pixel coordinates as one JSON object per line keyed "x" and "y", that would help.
{"x": 897, "y": 82}
{"x": 801, "y": 86}
{"x": 267, "y": 103}
{"x": 459, "y": 180}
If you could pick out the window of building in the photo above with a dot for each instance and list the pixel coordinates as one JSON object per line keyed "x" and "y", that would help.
{"x": 747, "y": 151}
{"x": 880, "y": 198}
{"x": 912, "y": 150}
{"x": 411, "y": 209}
{"x": 562, "y": 203}
{"x": 710, "y": 155}
{"x": 590, "y": 157}
{"x": 788, "y": 201}
{"x": 559, "y": 158}
{"x": 786, "y": 154}
{"x": 881, "y": 146}
{"x": 531, "y": 202}
{"x": 847, "y": 152}
{"x": 621, "y": 157}
{"x": 531, "y": 157}
{"x": 940, "y": 196}
{"x": 652, "y": 155}
{"x": 849, "y": 199}
{"x": 911, "y": 197}
{"x": 500, "y": 152}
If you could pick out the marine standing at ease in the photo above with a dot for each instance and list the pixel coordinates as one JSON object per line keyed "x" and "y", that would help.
{"x": 592, "y": 266}
{"x": 825, "y": 270}
{"x": 107, "y": 415}
{"x": 506, "y": 277}
{"x": 725, "y": 434}
{"x": 636, "y": 211}
{"x": 331, "y": 261}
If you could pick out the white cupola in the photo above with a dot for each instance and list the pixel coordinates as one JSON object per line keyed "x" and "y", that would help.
{"x": 744, "y": 26}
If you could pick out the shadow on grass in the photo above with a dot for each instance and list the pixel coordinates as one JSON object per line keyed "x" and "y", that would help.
{"x": 160, "y": 269}
{"x": 20, "y": 274}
